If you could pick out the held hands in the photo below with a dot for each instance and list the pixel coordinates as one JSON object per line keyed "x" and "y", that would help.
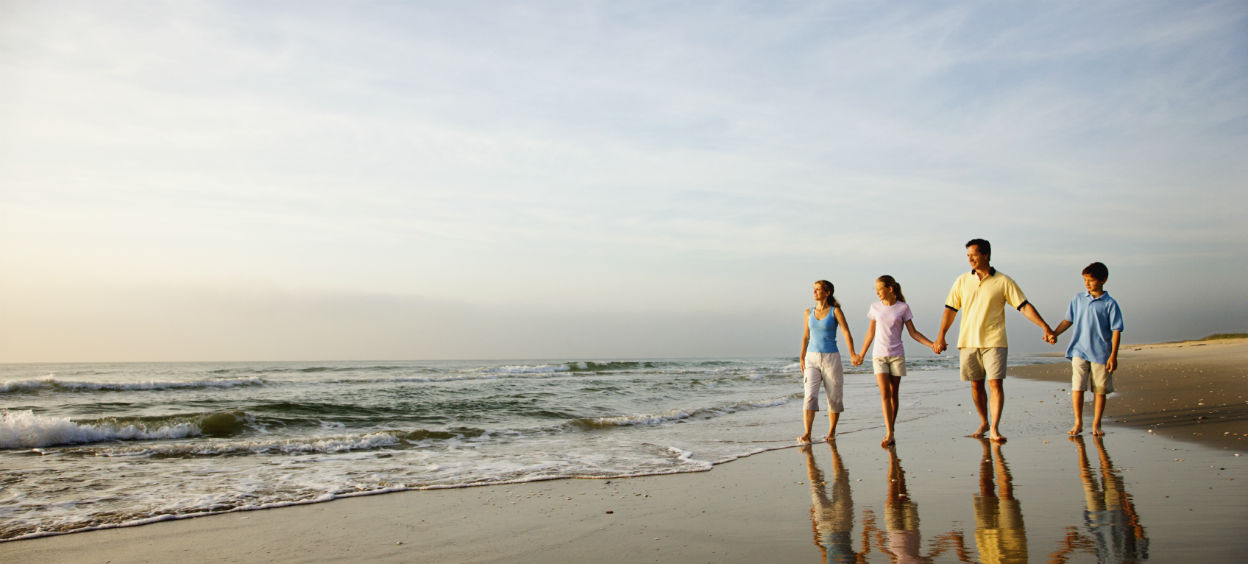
{"x": 1049, "y": 336}
{"x": 939, "y": 346}
{"x": 855, "y": 359}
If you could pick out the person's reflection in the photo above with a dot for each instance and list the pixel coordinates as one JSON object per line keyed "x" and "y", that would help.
{"x": 901, "y": 516}
{"x": 831, "y": 517}
{"x": 1113, "y": 527}
{"x": 999, "y": 532}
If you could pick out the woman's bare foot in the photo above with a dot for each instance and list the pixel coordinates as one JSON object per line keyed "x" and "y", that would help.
{"x": 804, "y": 439}
{"x": 1097, "y": 432}
{"x": 888, "y": 441}
{"x": 1078, "y": 428}
{"x": 997, "y": 437}
{"x": 831, "y": 437}
{"x": 980, "y": 431}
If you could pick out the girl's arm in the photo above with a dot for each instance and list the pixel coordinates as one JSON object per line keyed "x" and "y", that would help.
{"x": 805, "y": 341}
{"x": 867, "y": 339}
{"x": 849, "y": 338}
{"x": 916, "y": 335}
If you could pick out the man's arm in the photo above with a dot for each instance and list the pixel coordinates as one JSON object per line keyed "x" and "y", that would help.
{"x": 1029, "y": 311}
{"x": 946, "y": 321}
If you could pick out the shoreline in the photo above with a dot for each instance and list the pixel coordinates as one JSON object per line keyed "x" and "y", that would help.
{"x": 795, "y": 504}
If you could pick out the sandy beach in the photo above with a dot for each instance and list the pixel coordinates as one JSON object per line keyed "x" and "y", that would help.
{"x": 1174, "y": 494}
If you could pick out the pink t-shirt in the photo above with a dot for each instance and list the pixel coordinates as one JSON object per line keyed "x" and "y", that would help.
{"x": 888, "y": 323}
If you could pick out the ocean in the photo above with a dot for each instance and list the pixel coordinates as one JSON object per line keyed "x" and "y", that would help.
{"x": 86, "y": 446}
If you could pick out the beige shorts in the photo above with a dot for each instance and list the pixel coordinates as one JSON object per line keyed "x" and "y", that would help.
{"x": 1084, "y": 372}
{"x": 891, "y": 365}
{"x": 982, "y": 364}
{"x": 823, "y": 369}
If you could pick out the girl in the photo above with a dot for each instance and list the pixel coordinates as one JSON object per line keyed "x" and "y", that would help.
{"x": 824, "y": 368}
{"x": 891, "y": 312}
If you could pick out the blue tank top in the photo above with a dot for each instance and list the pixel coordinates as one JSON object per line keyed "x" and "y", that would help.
{"x": 822, "y": 333}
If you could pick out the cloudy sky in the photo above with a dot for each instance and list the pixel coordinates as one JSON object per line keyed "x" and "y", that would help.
{"x": 425, "y": 180}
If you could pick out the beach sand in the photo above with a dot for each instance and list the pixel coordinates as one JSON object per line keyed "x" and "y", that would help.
{"x": 938, "y": 496}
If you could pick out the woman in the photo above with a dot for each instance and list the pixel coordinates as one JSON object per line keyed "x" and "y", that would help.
{"x": 821, "y": 360}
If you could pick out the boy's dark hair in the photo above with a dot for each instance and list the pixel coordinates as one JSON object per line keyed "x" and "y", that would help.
{"x": 985, "y": 248}
{"x": 1097, "y": 270}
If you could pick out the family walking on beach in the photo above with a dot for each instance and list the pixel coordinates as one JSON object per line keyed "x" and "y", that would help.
{"x": 980, "y": 296}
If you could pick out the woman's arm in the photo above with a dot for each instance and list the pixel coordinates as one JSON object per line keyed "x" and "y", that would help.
{"x": 849, "y": 338}
{"x": 805, "y": 341}
{"x": 916, "y": 335}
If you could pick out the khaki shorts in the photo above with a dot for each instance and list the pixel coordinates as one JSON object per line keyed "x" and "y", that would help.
{"x": 1084, "y": 373}
{"x": 891, "y": 365}
{"x": 981, "y": 364}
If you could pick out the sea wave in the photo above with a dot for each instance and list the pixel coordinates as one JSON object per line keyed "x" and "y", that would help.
{"x": 674, "y": 415}
{"x": 26, "y": 429}
{"x": 51, "y": 383}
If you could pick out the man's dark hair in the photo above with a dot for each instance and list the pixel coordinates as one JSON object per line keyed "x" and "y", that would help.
{"x": 1097, "y": 270}
{"x": 985, "y": 248}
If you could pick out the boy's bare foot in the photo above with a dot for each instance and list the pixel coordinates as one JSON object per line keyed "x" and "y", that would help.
{"x": 1075, "y": 430}
{"x": 803, "y": 440}
{"x": 997, "y": 437}
{"x": 1097, "y": 432}
{"x": 888, "y": 441}
{"x": 980, "y": 431}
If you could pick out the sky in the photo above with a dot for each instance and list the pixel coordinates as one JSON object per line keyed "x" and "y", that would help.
{"x": 240, "y": 180}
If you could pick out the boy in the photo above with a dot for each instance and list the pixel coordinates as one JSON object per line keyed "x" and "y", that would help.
{"x": 1093, "y": 351}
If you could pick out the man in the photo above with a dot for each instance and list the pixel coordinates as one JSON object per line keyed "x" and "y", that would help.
{"x": 981, "y": 295}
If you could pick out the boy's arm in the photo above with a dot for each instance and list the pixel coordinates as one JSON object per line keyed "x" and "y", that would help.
{"x": 1112, "y": 364}
{"x": 1061, "y": 327}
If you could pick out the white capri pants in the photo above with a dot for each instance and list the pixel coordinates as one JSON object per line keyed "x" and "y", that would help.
{"x": 823, "y": 369}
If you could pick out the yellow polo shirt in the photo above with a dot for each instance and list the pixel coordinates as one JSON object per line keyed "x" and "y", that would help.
{"x": 982, "y": 303}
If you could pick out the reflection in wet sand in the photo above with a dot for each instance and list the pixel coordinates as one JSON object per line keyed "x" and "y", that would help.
{"x": 831, "y": 516}
{"x": 1114, "y": 533}
{"x": 901, "y": 516}
{"x": 999, "y": 533}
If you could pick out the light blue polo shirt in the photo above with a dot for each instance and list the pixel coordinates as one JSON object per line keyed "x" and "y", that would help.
{"x": 1094, "y": 322}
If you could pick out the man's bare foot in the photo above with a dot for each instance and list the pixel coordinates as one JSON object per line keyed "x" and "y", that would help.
{"x": 888, "y": 441}
{"x": 1097, "y": 432}
{"x": 803, "y": 440}
{"x": 1075, "y": 430}
{"x": 980, "y": 431}
{"x": 997, "y": 437}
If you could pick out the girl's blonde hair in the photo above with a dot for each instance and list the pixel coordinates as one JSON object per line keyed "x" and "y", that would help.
{"x": 890, "y": 282}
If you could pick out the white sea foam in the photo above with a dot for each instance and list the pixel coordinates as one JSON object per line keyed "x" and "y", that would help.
{"x": 528, "y": 369}
{"x": 52, "y": 383}
{"x": 335, "y": 444}
{"x": 25, "y": 429}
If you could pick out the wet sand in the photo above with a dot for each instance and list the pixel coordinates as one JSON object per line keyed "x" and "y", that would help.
{"x": 1191, "y": 391}
{"x": 937, "y": 496}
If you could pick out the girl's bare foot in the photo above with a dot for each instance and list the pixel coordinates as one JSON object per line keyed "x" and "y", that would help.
{"x": 1097, "y": 432}
{"x": 997, "y": 437}
{"x": 804, "y": 439}
{"x": 888, "y": 441}
{"x": 1078, "y": 428}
